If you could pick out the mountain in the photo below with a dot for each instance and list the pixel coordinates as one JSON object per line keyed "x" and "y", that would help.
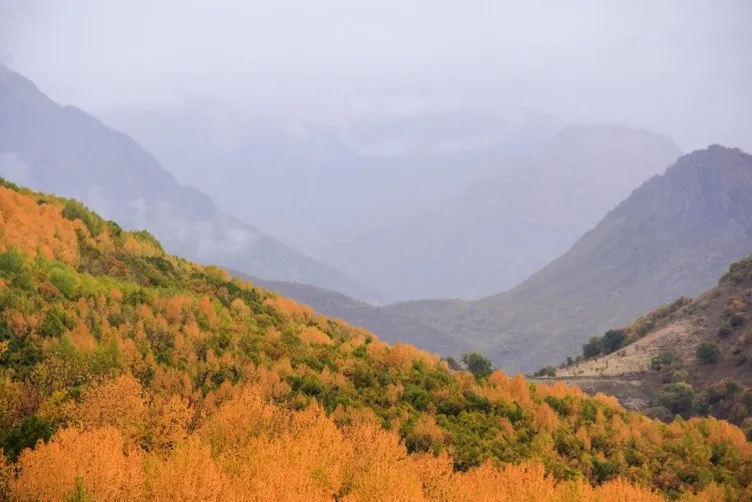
{"x": 62, "y": 149}
{"x": 130, "y": 374}
{"x": 672, "y": 236}
{"x": 691, "y": 357}
{"x": 319, "y": 182}
{"x": 493, "y": 234}
{"x": 395, "y": 328}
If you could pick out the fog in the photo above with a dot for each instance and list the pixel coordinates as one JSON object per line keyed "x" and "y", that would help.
{"x": 677, "y": 67}
{"x": 383, "y": 139}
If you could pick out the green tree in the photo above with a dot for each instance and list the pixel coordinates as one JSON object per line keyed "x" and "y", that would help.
{"x": 592, "y": 348}
{"x": 677, "y": 397}
{"x": 477, "y": 364}
{"x": 666, "y": 360}
{"x": 547, "y": 371}
{"x": 613, "y": 340}
{"x": 708, "y": 353}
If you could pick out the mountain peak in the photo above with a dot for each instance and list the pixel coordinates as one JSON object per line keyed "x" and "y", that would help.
{"x": 673, "y": 236}
{"x": 715, "y": 156}
{"x": 716, "y": 178}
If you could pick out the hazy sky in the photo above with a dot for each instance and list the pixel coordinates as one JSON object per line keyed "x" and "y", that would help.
{"x": 681, "y": 67}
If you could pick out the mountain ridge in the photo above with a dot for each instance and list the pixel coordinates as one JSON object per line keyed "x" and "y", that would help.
{"x": 595, "y": 280}
{"x": 395, "y": 328}
{"x": 494, "y": 233}
{"x": 62, "y": 148}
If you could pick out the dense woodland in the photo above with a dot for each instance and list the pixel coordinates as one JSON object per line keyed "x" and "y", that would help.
{"x": 126, "y": 373}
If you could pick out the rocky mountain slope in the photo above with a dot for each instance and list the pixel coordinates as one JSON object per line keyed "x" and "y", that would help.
{"x": 63, "y": 149}
{"x": 672, "y": 236}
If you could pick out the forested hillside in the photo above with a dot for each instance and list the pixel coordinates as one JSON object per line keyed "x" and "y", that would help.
{"x": 127, "y": 373}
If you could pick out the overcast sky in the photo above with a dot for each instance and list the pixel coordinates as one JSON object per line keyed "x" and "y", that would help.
{"x": 680, "y": 67}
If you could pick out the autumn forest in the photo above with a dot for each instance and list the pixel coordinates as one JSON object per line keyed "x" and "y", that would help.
{"x": 127, "y": 373}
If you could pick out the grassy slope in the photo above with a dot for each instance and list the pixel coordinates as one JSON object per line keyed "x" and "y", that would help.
{"x": 720, "y": 317}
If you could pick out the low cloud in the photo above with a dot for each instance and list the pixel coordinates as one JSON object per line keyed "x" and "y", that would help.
{"x": 14, "y": 169}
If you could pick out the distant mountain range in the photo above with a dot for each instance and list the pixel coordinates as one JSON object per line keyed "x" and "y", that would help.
{"x": 396, "y": 328}
{"x": 492, "y": 235}
{"x": 62, "y": 149}
{"x": 672, "y": 236}
{"x": 319, "y": 183}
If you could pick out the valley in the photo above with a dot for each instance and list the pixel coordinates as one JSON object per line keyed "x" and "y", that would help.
{"x": 375, "y": 251}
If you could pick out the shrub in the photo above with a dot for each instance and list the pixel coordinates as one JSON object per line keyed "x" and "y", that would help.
{"x": 739, "y": 272}
{"x": 74, "y": 210}
{"x": 26, "y": 435}
{"x": 708, "y": 353}
{"x": 10, "y": 185}
{"x": 546, "y": 371}
{"x": 11, "y": 262}
{"x": 115, "y": 229}
{"x": 65, "y": 281}
{"x": 736, "y": 320}
{"x": 561, "y": 406}
{"x": 680, "y": 376}
{"x": 417, "y": 397}
{"x": 644, "y": 328}
{"x": 145, "y": 236}
{"x": 666, "y": 360}
{"x": 55, "y": 323}
{"x": 676, "y": 397}
{"x": 724, "y": 331}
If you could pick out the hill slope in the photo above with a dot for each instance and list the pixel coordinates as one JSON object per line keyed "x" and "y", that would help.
{"x": 62, "y": 149}
{"x": 694, "y": 360}
{"x": 392, "y": 328}
{"x": 126, "y": 373}
{"x": 514, "y": 221}
{"x": 673, "y": 236}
